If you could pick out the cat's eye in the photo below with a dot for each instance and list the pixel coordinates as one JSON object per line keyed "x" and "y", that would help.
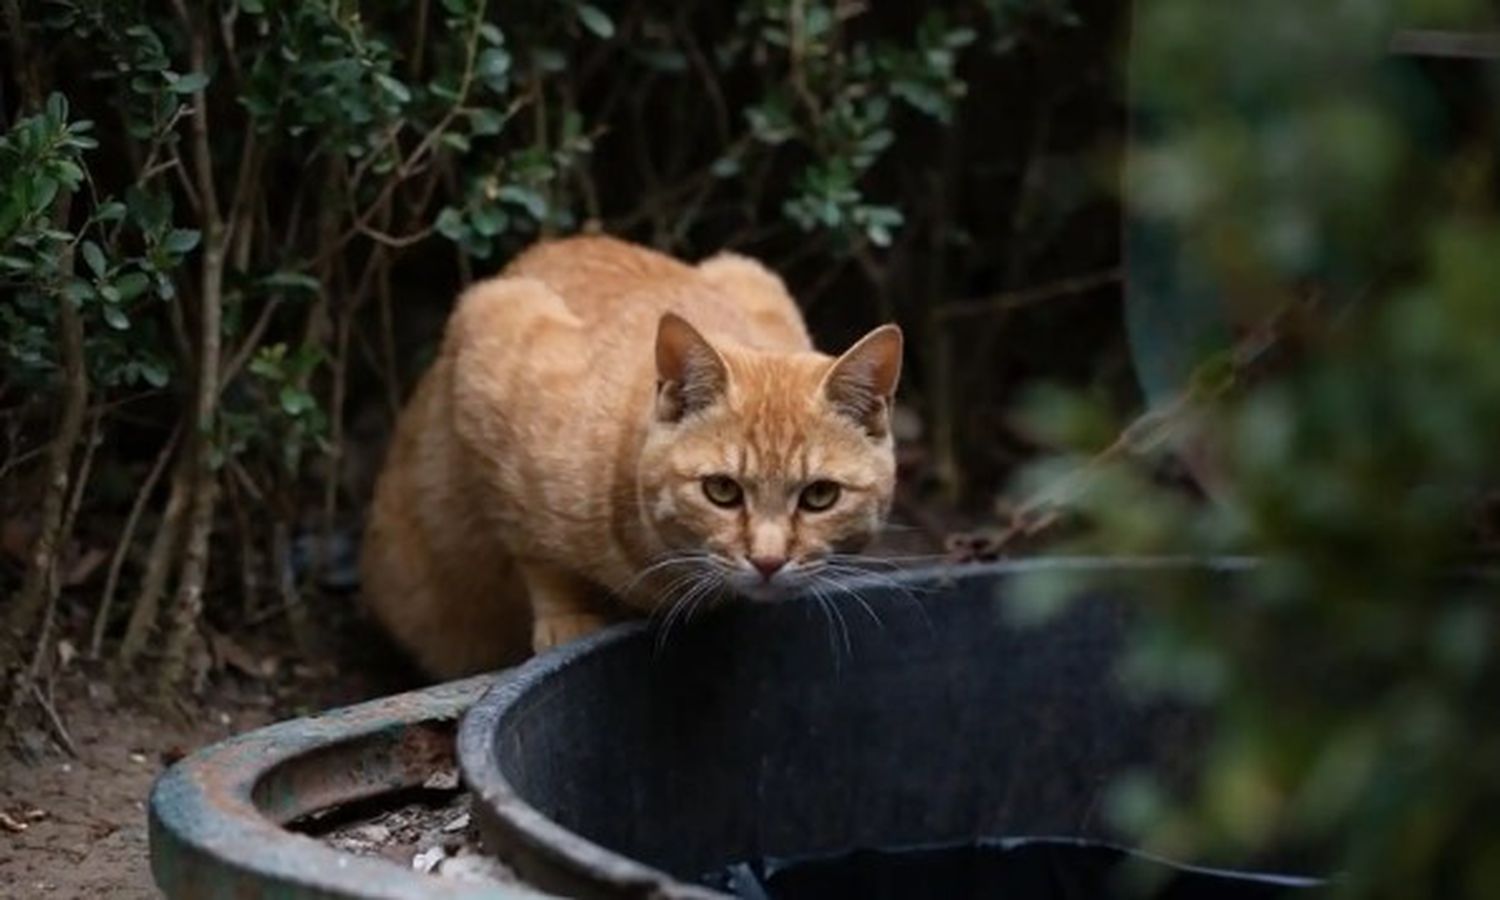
{"x": 721, "y": 490}
{"x": 819, "y": 496}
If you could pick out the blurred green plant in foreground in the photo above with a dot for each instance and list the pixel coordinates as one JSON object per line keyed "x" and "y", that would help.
{"x": 1332, "y": 211}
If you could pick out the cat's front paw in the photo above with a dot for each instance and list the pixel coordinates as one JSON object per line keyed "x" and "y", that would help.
{"x": 554, "y": 630}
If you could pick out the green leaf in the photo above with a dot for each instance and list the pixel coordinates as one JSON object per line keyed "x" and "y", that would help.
{"x": 595, "y": 20}
{"x": 132, "y": 285}
{"x": 530, "y": 198}
{"x": 78, "y": 290}
{"x": 961, "y": 37}
{"x": 69, "y": 173}
{"x": 182, "y": 240}
{"x": 155, "y": 373}
{"x": 394, "y": 87}
{"x": 94, "y": 257}
{"x": 494, "y": 68}
{"x": 725, "y": 167}
{"x": 450, "y": 224}
{"x": 663, "y": 60}
{"x": 12, "y": 210}
{"x": 187, "y": 84}
{"x": 292, "y": 281}
{"x": 490, "y": 220}
{"x": 116, "y": 317}
{"x": 485, "y": 122}
{"x": 295, "y": 401}
{"x": 112, "y": 211}
{"x": 43, "y": 192}
{"x": 548, "y": 59}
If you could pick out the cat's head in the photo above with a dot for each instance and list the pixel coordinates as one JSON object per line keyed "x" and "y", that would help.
{"x": 761, "y": 467}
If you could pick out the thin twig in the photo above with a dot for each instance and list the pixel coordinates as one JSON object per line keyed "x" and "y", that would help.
{"x": 1011, "y": 301}
{"x": 127, "y": 537}
{"x": 81, "y": 477}
{"x": 59, "y": 730}
{"x": 245, "y": 531}
{"x": 241, "y": 355}
{"x": 203, "y": 168}
{"x": 395, "y": 241}
{"x": 161, "y": 557}
{"x": 1146, "y": 433}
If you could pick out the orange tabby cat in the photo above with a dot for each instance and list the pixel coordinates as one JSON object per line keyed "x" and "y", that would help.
{"x": 607, "y": 430}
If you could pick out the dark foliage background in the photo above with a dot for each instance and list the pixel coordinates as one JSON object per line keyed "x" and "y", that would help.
{"x": 230, "y": 232}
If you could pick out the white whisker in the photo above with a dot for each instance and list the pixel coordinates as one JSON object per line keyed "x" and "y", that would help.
{"x": 822, "y": 603}
{"x": 863, "y": 604}
{"x": 682, "y": 590}
{"x": 666, "y": 561}
{"x": 905, "y": 590}
{"x": 683, "y": 607}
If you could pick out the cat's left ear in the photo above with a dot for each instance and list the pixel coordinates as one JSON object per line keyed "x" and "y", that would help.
{"x": 861, "y": 384}
{"x": 690, "y": 373}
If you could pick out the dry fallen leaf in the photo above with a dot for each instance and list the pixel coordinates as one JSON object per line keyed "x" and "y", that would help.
{"x": 428, "y": 859}
{"x": 228, "y": 654}
{"x": 459, "y": 823}
{"x": 84, "y": 565}
{"x": 442, "y": 780}
{"x": 12, "y": 824}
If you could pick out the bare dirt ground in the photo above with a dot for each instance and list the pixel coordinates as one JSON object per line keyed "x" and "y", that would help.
{"x": 76, "y": 827}
{"x": 73, "y": 808}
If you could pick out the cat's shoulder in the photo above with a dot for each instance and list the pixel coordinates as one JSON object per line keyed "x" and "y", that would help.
{"x": 729, "y": 268}
{"x": 508, "y": 307}
{"x": 590, "y": 252}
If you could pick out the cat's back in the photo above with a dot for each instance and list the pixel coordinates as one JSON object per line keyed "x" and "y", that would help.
{"x": 620, "y": 289}
{"x": 597, "y": 275}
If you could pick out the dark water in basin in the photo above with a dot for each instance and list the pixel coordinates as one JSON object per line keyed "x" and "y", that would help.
{"x": 998, "y": 870}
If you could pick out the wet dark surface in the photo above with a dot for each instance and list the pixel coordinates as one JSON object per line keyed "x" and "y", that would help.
{"x": 997, "y": 870}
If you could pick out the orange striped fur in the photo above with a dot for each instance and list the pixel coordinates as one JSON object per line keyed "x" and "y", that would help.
{"x": 548, "y": 475}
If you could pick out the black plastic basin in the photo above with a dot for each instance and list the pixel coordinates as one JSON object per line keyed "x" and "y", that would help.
{"x": 619, "y": 767}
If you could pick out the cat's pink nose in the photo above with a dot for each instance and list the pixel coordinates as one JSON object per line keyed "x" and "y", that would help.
{"x": 767, "y": 565}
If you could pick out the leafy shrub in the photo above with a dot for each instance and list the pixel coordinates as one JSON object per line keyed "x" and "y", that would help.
{"x": 253, "y": 205}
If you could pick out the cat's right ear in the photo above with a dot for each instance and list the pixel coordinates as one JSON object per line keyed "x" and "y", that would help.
{"x": 690, "y": 373}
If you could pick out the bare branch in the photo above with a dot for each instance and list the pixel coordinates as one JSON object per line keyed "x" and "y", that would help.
{"x": 127, "y": 537}
{"x": 1009, "y": 302}
{"x": 208, "y": 193}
